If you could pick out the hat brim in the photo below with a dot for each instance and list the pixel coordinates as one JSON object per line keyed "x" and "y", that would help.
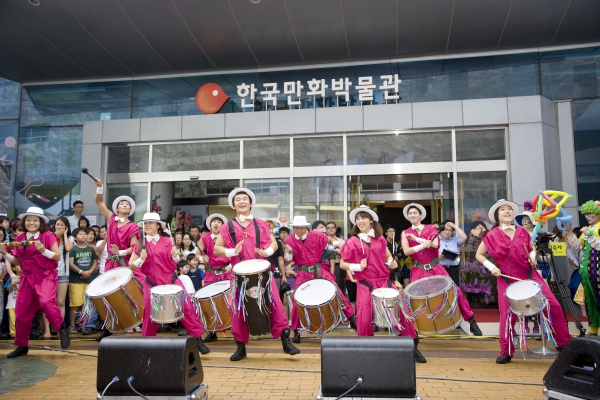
{"x": 41, "y": 216}
{"x": 235, "y": 191}
{"x": 498, "y": 204}
{"x": 353, "y": 213}
{"x": 161, "y": 223}
{"x": 420, "y": 207}
{"x": 519, "y": 219}
{"x": 306, "y": 225}
{"x": 213, "y": 216}
{"x": 120, "y": 199}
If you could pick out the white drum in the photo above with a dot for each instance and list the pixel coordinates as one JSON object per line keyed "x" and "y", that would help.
{"x": 212, "y": 303}
{"x": 385, "y": 307}
{"x": 167, "y": 303}
{"x": 318, "y": 306}
{"x": 525, "y": 297}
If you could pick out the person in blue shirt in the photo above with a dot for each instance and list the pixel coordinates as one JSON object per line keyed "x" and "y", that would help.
{"x": 196, "y": 273}
{"x": 451, "y": 238}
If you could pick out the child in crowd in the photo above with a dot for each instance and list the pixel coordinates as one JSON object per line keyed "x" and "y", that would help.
{"x": 182, "y": 270}
{"x": 195, "y": 273}
{"x": 13, "y": 289}
{"x": 83, "y": 263}
{"x": 91, "y": 238}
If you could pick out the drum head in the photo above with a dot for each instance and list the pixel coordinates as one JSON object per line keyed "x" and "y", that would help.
{"x": 251, "y": 267}
{"x": 166, "y": 289}
{"x": 428, "y": 287}
{"x": 108, "y": 282}
{"x": 212, "y": 290}
{"x": 315, "y": 292}
{"x": 523, "y": 290}
{"x": 386, "y": 293}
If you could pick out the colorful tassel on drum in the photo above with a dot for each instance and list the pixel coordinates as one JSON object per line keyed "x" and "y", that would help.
{"x": 452, "y": 309}
{"x": 86, "y": 312}
{"x": 111, "y": 316}
{"x": 546, "y": 321}
{"x": 132, "y": 303}
{"x": 404, "y": 308}
{"x": 340, "y": 310}
{"x": 336, "y": 318}
{"x": 438, "y": 310}
{"x": 419, "y": 311}
{"x": 216, "y": 317}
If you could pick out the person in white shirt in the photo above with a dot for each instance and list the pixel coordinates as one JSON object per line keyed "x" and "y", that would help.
{"x": 101, "y": 251}
{"x": 74, "y": 219}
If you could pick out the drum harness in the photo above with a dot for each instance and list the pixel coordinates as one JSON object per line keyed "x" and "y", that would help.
{"x": 364, "y": 282}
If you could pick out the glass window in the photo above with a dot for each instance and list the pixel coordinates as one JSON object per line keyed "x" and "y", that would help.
{"x": 9, "y": 134}
{"x": 74, "y": 103}
{"x": 400, "y": 149}
{"x": 313, "y": 152}
{"x": 267, "y": 153}
{"x": 48, "y": 169}
{"x": 196, "y": 156}
{"x": 586, "y": 126}
{"x": 198, "y": 189}
{"x": 571, "y": 74}
{"x": 137, "y": 191}
{"x": 128, "y": 159}
{"x": 10, "y": 99}
{"x": 272, "y": 198}
{"x": 320, "y": 199}
{"x": 480, "y": 145}
{"x": 477, "y": 192}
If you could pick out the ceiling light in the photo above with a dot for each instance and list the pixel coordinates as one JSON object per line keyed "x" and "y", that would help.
{"x": 254, "y": 1}
{"x": 34, "y": 2}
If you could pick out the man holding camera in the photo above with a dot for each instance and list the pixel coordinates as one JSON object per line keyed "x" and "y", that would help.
{"x": 449, "y": 254}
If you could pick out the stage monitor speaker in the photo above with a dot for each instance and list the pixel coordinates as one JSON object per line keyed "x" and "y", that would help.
{"x": 386, "y": 365}
{"x": 160, "y": 366}
{"x": 576, "y": 372}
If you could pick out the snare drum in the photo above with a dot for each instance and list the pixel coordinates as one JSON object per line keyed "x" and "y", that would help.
{"x": 252, "y": 293}
{"x": 118, "y": 299}
{"x": 434, "y": 304}
{"x": 385, "y": 307}
{"x": 166, "y": 302}
{"x": 211, "y": 304}
{"x": 318, "y": 306}
{"x": 525, "y": 297}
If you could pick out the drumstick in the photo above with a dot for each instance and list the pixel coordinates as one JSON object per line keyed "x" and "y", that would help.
{"x": 85, "y": 171}
{"x": 528, "y": 257}
{"x": 17, "y": 244}
{"x": 511, "y": 277}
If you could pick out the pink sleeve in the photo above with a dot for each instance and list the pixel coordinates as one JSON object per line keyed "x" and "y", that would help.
{"x": 133, "y": 231}
{"x": 349, "y": 251}
{"x": 49, "y": 239}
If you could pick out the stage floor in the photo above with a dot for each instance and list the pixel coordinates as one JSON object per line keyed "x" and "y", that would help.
{"x": 458, "y": 367}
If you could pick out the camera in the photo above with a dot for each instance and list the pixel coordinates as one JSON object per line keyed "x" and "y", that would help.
{"x": 544, "y": 238}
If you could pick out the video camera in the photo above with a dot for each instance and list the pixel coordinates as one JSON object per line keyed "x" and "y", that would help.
{"x": 544, "y": 238}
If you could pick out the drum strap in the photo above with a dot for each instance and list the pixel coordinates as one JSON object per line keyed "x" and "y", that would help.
{"x": 151, "y": 283}
{"x": 117, "y": 259}
{"x": 234, "y": 238}
{"x": 367, "y": 284}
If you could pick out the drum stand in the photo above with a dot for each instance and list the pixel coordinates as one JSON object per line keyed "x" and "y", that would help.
{"x": 543, "y": 351}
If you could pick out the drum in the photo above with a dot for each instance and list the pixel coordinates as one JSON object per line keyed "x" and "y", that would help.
{"x": 434, "y": 304}
{"x": 118, "y": 298}
{"x": 525, "y": 297}
{"x": 318, "y": 306}
{"x": 167, "y": 303}
{"x": 253, "y": 294}
{"x": 212, "y": 305}
{"x": 385, "y": 307}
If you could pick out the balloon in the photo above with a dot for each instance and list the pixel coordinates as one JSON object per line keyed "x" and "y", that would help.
{"x": 545, "y": 207}
{"x": 10, "y": 142}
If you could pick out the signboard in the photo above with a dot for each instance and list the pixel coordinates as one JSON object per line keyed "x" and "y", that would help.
{"x": 559, "y": 249}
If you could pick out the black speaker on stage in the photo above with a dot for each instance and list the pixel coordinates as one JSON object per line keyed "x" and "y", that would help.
{"x": 385, "y": 364}
{"x": 576, "y": 371}
{"x": 160, "y": 366}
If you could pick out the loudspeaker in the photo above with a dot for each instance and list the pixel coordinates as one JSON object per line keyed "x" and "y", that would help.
{"x": 576, "y": 371}
{"x": 160, "y": 366}
{"x": 386, "y": 365}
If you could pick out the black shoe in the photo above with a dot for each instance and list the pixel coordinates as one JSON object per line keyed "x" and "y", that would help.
{"x": 419, "y": 357}
{"x": 375, "y": 328}
{"x": 86, "y": 331}
{"x": 105, "y": 333}
{"x": 474, "y": 327}
{"x": 182, "y": 332}
{"x": 211, "y": 337}
{"x": 201, "y": 346}
{"x": 239, "y": 353}
{"x": 503, "y": 359}
{"x": 296, "y": 338}
{"x": 288, "y": 347}
{"x": 65, "y": 339}
{"x": 5, "y": 336}
{"x": 353, "y": 322}
{"x": 19, "y": 351}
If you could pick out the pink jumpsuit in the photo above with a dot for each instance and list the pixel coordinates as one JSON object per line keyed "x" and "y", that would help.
{"x": 37, "y": 287}
{"x": 214, "y": 262}
{"x": 514, "y": 261}
{"x": 430, "y": 232}
{"x": 307, "y": 253}
{"x": 279, "y": 321}
{"x": 160, "y": 268}
{"x": 377, "y": 275}
{"x": 121, "y": 236}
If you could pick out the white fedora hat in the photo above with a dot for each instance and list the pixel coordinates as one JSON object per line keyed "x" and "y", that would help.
{"x": 502, "y": 202}
{"x": 213, "y": 216}
{"x": 419, "y": 207}
{"x": 299, "y": 220}
{"x": 120, "y": 199}
{"x": 241, "y": 190}
{"x": 362, "y": 208}
{"x": 36, "y": 212}
{"x": 151, "y": 217}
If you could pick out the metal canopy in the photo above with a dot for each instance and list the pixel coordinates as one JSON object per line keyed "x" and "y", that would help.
{"x": 92, "y": 39}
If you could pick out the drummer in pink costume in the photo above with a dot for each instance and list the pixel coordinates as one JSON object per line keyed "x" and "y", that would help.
{"x": 366, "y": 255}
{"x": 217, "y": 268}
{"x": 38, "y": 282}
{"x": 307, "y": 248}
{"x": 421, "y": 242}
{"x": 511, "y": 247}
{"x": 159, "y": 268}
{"x": 244, "y": 248}
{"x": 121, "y": 234}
